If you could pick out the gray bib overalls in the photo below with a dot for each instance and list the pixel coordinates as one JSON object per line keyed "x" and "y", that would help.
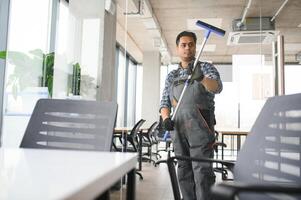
{"x": 194, "y": 136}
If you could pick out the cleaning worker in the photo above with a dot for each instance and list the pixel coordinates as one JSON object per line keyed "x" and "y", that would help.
{"x": 192, "y": 129}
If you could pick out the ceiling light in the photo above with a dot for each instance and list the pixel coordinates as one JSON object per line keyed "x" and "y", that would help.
{"x": 299, "y": 26}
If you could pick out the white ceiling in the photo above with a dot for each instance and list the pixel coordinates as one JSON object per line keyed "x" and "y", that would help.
{"x": 174, "y": 16}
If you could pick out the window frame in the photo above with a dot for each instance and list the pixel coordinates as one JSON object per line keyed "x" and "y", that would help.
{"x": 4, "y": 19}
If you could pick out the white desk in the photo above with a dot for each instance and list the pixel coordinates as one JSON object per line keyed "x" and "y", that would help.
{"x": 59, "y": 174}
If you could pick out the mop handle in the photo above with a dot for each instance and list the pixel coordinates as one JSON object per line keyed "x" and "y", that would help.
{"x": 209, "y": 28}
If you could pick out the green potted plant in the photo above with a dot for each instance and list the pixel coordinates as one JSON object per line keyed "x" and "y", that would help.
{"x": 28, "y": 66}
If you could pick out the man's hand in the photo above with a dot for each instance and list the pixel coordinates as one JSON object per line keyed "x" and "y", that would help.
{"x": 168, "y": 124}
{"x": 210, "y": 84}
{"x": 197, "y": 74}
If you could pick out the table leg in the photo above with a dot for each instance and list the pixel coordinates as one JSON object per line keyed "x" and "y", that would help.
{"x": 131, "y": 185}
{"x": 222, "y": 146}
{"x": 238, "y": 142}
{"x": 140, "y": 151}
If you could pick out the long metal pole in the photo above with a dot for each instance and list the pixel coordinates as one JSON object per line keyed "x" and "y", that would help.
{"x": 280, "y": 50}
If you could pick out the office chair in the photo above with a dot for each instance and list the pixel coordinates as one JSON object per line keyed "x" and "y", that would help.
{"x": 71, "y": 124}
{"x": 269, "y": 164}
{"x": 132, "y": 139}
{"x": 216, "y": 146}
{"x": 148, "y": 141}
{"x": 158, "y": 137}
{"x": 129, "y": 139}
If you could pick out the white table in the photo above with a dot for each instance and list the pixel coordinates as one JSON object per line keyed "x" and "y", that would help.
{"x": 60, "y": 174}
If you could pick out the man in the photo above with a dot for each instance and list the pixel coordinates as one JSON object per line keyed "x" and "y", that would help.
{"x": 194, "y": 122}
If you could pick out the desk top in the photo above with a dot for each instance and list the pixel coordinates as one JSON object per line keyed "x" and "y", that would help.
{"x": 233, "y": 131}
{"x": 60, "y": 174}
{"x": 127, "y": 129}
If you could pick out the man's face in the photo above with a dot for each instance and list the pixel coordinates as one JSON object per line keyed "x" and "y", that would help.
{"x": 186, "y": 48}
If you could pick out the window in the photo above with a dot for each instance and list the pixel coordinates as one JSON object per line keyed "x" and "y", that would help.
{"x": 128, "y": 86}
{"x": 131, "y": 93}
{"x": 28, "y": 41}
{"x": 78, "y": 44}
{"x": 163, "y": 73}
{"x": 246, "y": 86}
{"x": 292, "y": 79}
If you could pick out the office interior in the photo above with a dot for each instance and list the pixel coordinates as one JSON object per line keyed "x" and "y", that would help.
{"x": 122, "y": 50}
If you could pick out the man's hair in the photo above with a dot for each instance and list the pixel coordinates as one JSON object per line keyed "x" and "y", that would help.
{"x": 186, "y": 33}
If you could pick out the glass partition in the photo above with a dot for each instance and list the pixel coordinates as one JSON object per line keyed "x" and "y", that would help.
{"x": 78, "y": 50}
{"x": 29, "y": 65}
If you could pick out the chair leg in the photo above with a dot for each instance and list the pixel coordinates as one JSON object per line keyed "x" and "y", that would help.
{"x": 165, "y": 161}
{"x": 140, "y": 175}
{"x": 114, "y": 146}
{"x": 158, "y": 156}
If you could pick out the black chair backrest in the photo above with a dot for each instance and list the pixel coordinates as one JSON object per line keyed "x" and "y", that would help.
{"x": 71, "y": 124}
{"x": 136, "y": 128}
{"x": 272, "y": 152}
{"x": 151, "y": 130}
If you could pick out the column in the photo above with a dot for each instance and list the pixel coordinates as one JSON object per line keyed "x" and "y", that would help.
{"x": 151, "y": 87}
{"x": 106, "y": 73}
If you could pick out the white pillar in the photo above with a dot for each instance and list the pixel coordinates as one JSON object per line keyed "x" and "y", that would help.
{"x": 106, "y": 73}
{"x": 151, "y": 87}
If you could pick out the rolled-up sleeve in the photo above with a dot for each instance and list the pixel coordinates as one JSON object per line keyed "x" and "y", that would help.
{"x": 211, "y": 72}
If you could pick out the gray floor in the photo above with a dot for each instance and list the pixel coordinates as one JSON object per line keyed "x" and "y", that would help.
{"x": 154, "y": 186}
{"x": 156, "y": 183}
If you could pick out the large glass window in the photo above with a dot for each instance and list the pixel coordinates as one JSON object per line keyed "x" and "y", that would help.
{"x": 27, "y": 46}
{"x": 165, "y": 69}
{"x": 292, "y": 79}
{"x": 131, "y": 93}
{"x": 128, "y": 86}
{"x": 77, "y": 52}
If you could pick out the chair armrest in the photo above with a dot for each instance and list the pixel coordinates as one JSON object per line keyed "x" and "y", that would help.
{"x": 228, "y": 164}
{"x": 173, "y": 174}
{"x": 227, "y": 191}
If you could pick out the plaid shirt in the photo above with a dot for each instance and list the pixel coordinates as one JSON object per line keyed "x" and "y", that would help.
{"x": 208, "y": 70}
